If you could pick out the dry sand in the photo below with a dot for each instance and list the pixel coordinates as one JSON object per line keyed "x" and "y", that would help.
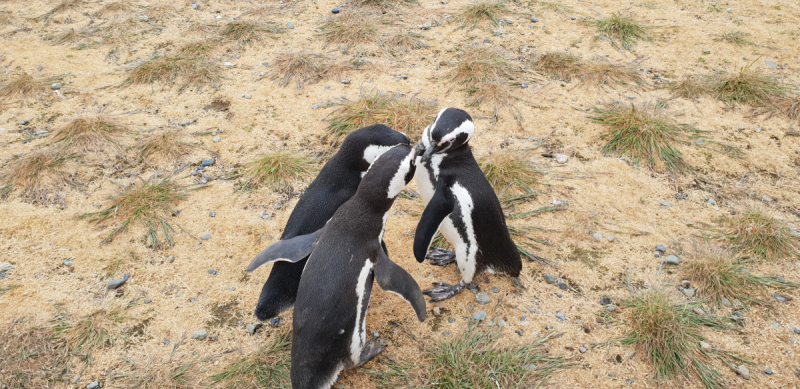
{"x": 605, "y": 194}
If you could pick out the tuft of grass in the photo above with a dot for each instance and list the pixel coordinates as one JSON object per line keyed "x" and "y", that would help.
{"x": 690, "y": 87}
{"x": 510, "y": 172}
{"x": 88, "y": 333}
{"x": 760, "y": 236}
{"x": 490, "y": 12}
{"x": 643, "y": 134}
{"x": 149, "y": 204}
{"x": 245, "y": 31}
{"x": 624, "y": 31}
{"x": 404, "y": 113}
{"x": 791, "y": 106}
{"x": 717, "y": 276}
{"x": 163, "y": 146}
{"x": 277, "y": 170}
{"x": 487, "y": 76}
{"x": 738, "y": 38}
{"x": 69, "y": 36}
{"x": 24, "y": 86}
{"x": 41, "y": 175}
{"x": 162, "y": 374}
{"x": 474, "y": 360}
{"x": 88, "y": 134}
{"x": 552, "y": 6}
{"x": 668, "y": 335}
{"x": 558, "y": 65}
{"x": 748, "y": 87}
{"x": 63, "y": 6}
{"x": 188, "y": 67}
{"x": 388, "y": 374}
{"x": 6, "y": 18}
{"x": 306, "y": 68}
{"x": 602, "y": 72}
{"x": 114, "y": 8}
{"x": 404, "y": 42}
{"x": 267, "y": 367}
{"x": 31, "y": 358}
{"x": 526, "y": 243}
{"x": 382, "y": 4}
{"x": 350, "y": 30}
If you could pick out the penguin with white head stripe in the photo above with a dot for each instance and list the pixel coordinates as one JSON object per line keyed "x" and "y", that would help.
{"x": 461, "y": 204}
{"x": 335, "y": 184}
{"x": 329, "y": 330}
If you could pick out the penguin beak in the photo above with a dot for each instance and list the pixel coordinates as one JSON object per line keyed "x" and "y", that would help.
{"x": 418, "y": 149}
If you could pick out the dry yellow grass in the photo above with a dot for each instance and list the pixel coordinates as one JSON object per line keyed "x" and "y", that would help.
{"x": 403, "y": 113}
{"x": 303, "y": 68}
{"x": 89, "y": 134}
{"x": 40, "y": 176}
{"x": 24, "y": 86}
{"x": 163, "y": 148}
{"x": 357, "y": 31}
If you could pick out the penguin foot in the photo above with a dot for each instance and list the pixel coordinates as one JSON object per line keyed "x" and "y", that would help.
{"x": 443, "y": 291}
{"x": 441, "y": 257}
{"x": 370, "y": 350}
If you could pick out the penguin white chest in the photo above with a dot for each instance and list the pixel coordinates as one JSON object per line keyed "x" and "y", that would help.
{"x": 426, "y": 176}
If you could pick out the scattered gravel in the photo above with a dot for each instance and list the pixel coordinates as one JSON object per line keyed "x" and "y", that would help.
{"x": 660, "y": 247}
{"x": 93, "y": 385}
{"x": 207, "y": 162}
{"x": 562, "y": 285}
{"x": 67, "y": 262}
{"x": 200, "y": 335}
{"x": 610, "y": 238}
{"x": 561, "y": 158}
{"x": 480, "y": 316}
{"x": 114, "y": 284}
{"x": 597, "y": 236}
{"x": 148, "y": 301}
{"x": 605, "y": 301}
{"x": 768, "y": 371}
{"x": 217, "y": 139}
{"x": 611, "y": 308}
{"x": 483, "y": 298}
{"x": 518, "y": 332}
{"x": 582, "y": 350}
{"x": 725, "y": 302}
{"x": 55, "y": 86}
{"x": 451, "y": 320}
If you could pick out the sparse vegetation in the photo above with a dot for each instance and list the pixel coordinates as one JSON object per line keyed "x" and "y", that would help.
{"x": 148, "y": 204}
{"x": 189, "y": 67}
{"x": 31, "y": 357}
{"x": 351, "y": 30}
{"x": 510, "y": 172}
{"x": 63, "y": 6}
{"x": 565, "y": 66}
{"x": 717, "y": 276}
{"x": 735, "y": 37}
{"x": 404, "y": 42}
{"x": 163, "y": 146}
{"x": 88, "y": 333}
{"x": 668, "y": 335}
{"x": 404, "y": 113}
{"x": 24, "y": 86}
{"x": 89, "y": 134}
{"x": 760, "y": 236}
{"x": 624, "y": 31}
{"x": 245, "y": 31}
{"x": 558, "y": 65}
{"x": 267, "y": 367}
{"x": 487, "y": 76}
{"x": 749, "y": 88}
{"x": 277, "y": 170}
{"x": 306, "y": 68}
{"x": 690, "y": 87}
{"x": 40, "y": 175}
{"x": 6, "y": 18}
{"x": 484, "y": 11}
{"x": 114, "y": 8}
{"x": 162, "y": 374}
{"x": 382, "y": 4}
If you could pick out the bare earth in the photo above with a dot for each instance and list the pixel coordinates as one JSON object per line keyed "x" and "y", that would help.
{"x": 605, "y": 194}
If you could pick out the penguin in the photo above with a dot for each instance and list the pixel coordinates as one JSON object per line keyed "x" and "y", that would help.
{"x": 461, "y": 203}
{"x": 335, "y": 184}
{"x": 346, "y": 255}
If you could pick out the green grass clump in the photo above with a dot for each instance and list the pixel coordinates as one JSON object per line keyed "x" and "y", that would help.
{"x": 88, "y": 333}
{"x": 760, "y": 236}
{"x": 668, "y": 335}
{"x": 189, "y": 67}
{"x": 510, "y": 173}
{"x": 306, "y": 68}
{"x": 624, "y": 31}
{"x": 148, "y": 204}
{"x": 245, "y": 31}
{"x": 474, "y": 360}
{"x": 490, "y": 12}
{"x": 643, "y": 134}
{"x": 748, "y": 87}
{"x": 267, "y": 367}
{"x": 88, "y": 134}
{"x": 277, "y": 170}
{"x": 717, "y": 276}
{"x": 404, "y": 113}
{"x": 738, "y": 38}
{"x": 41, "y": 176}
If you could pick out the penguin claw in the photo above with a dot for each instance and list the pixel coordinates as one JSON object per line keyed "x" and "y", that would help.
{"x": 441, "y": 257}
{"x": 370, "y": 350}
{"x": 443, "y": 291}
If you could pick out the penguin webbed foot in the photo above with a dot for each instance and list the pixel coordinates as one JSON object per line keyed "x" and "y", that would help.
{"x": 371, "y": 349}
{"x": 443, "y": 291}
{"x": 441, "y": 257}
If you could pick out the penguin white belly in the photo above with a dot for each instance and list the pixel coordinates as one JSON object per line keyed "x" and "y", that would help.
{"x": 359, "y": 332}
{"x": 423, "y": 178}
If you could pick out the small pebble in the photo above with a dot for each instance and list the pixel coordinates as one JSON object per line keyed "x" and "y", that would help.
{"x": 562, "y": 285}
{"x": 275, "y": 321}
{"x": 200, "y": 335}
{"x": 730, "y": 10}
{"x": 524, "y": 85}
{"x": 666, "y": 204}
{"x": 612, "y": 375}
{"x": 549, "y": 278}
{"x": 766, "y": 198}
{"x": 207, "y": 162}
{"x": 247, "y": 96}
{"x": 725, "y": 302}
{"x": 195, "y": 6}
{"x": 519, "y": 332}
{"x": 480, "y": 316}
{"x": 712, "y": 202}
{"x": 582, "y": 350}
{"x": 560, "y": 316}
{"x": 192, "y": 299}
{"x": 171, "y": 259}
{"x": 605, "y": 301}
{"x": 375, "y": 333}
{"x": 216, "y": 139}
{"x": 67, "y": 262}
{"x": 782, "y": 298}
{"x": 699, "y": 311}
{"x": 483, "y": 298}
{"x": 689, "y": 292}
{"x": 212, "y": 214}
{"x": 213, "y": 272}
{"x": 55, "y": 86}
{"x": 534, "y": 19}
{"x": 796, "y": 330}
{"x": 573, "y": 18}
{"x": 774, "y": 325}
{"x": 743, "y": 371}
{"x": 114, "y": 284}
{"x": 657, "y": 253}
{"x": 76, "y": 379}
{"x": 290, "y": 25}
{"x": 148, "y": 301}
{"x": 597, "y": 236}
{"x": 451, "y": 320}
{"x": 23, "y": 122}
{"x": 771, "y": 64}
{"x": 335, "y": 10}
{"x": 562, "y": 159}
{"x": 671, "y": 260}
{"x": 143, "y": 18}
{"x": 610, "y": 238}
{"x": 253, "y": 328}
{"x": 768, "y": 371}
{"x": 315, "y": 106}
{"x": 629, "y": 381}
{"x": 93, "y": 385}
{"x": 705, "y": 346}
{"x": 495, "y": 290}
{"x": 706, "y": 51}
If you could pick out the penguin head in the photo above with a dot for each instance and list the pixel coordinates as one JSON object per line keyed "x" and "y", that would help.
{"x": 364, "y": 145}
{"x": 452, "y": 129}
{"x": 390, "y": 173}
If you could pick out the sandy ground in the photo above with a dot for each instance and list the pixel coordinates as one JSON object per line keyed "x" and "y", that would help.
{"x": 606, "y": 195}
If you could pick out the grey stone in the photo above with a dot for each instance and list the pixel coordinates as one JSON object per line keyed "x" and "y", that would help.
{"x": 657, "y": 253}
{"x": 483, "y": 298}
{"x": 549, "y": 278}
{"x": 446, "y": 333}
{"x": 56, "y": 86}
{"x": 796, "y": 330}
{"x": 518, "y": 332}
{"x": 689, "y": 292}
{"x": 195, "y": 6}
{"x": 205, "y": 236}
{"x": 766, "y": 198}
{"x": 712, "y": 201}
{"x": 171, "y": 259}
{"x": 207, "y": 162}
{"x": 335, "y": 10}
{"x": 523, "y": 85}
{"x": 23, "y": 122}
{"x": 725, "y": 302}
{"x": 495, "y": 290}
{"x": 605, "y": 38}
{"x": 610, "y": 238}
{"x": 426, "y": 26}
{"x": 705, "y": 346}
{"x": 451, "y": 320}
{"x": 534, "y": 19}
{"x": 782, "y": 298}
{"x": 605, "y": 301}
{"x": 290, "y": 25}
{"x": 192, "y": 299}
{"x": 247, "y": 96}
{"x": 666, "y": 204}
{"x": 345, "y": 81}
{"x": 560, "y": 316}
{"x": 275, "y": 321}
{"x": 730, "y": 10}
{"x": 758, "y": 129}
{"x": 212, "y": 214}
{"x": 253, "y": 328}
{"x": 213, "y": 272}
{"x": 200, "y": 335}
{"x": 480, "y": 316}
{"x": 572, "y": 18}
{"x": 375, "y": 333}
{"x": 67, "y": 262}
{"x": 114, "y": 284}
{"x": 775, "y": 325}
{"x": 93, "y": 385}
{"x": 768, "y": 371}
{"x": 597, "y": 236}
{"x": 582, "y": 349}
{"x": 563, "y": 286}
{"x": 612, "y": 375}
{"x": 771, "y": 64}
{"x": 143, "y": 18}
{"x": 148, "y": 301}
{"x": 671, "y": 260}
{"x": 76, "y": 379}
{"x": 315, "y": 106}
{"x": 217, "y": 139}
{"x": 743, "y": 371}
{"x": 699, "y": 311}
{"x": 561, "y": 158}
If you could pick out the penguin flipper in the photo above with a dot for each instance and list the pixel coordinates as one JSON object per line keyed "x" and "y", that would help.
{"x": 441, "y": 205}
{"x": 288, "y": 250}
{"x": 393, "y": 278}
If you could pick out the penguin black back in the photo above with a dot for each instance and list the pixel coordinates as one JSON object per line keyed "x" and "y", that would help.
{"x": 336, "y": 183}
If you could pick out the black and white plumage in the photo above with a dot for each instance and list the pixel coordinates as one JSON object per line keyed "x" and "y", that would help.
{"x": 335, "y": 184}
{"x": 329, "y": 330}
{"x": 461, "y": 204}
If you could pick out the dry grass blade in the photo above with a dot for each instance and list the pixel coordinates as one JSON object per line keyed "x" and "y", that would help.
{"x": 114, "y": 8}
{"x": 490, "y": 12}
{"x": 64, "y": 6}
{"x": 189, "y": 67}
{"x": 163, "y": 146}
{"x": 558, "y": 65}
{"x": 791, "y": 106}
{"x": 351, "y": 30}
{"x": 735, "y": 37}
{"x": 162, "y": 374}
{"x": 761, "y": 236}
{"x": 40, "y": 174}
{"x": 277, "y": 170}
{"x": 245, "y": 31}
{"x": 149, "y": 204}
{"x": 24, "y": 86}
{"x": 749, "y": 88}
{"x": 382, "y": 4}
{"x": 510, "y": 172}
{"x": 474, "y": 360}
{"x": 718, "y": 277}
{"x": 622, "y": 29}
{"x": 668, "y": 335}
{"x": 306, "y": 68}
{"x": 404, "y": 42}
{"x": 644, "y": 134}
{"x": 267, "y": 367}
{"x": 6, "y": 18}
{"x": 403, "y": 113}
{"x": 31, "y": 358}
{"x": 487, "y": 76}
{"x": 690, "y": 87}
{"x": 602, "y": 72}
{"x": 88, "y": 333}
{"x": 88, "y": 134}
